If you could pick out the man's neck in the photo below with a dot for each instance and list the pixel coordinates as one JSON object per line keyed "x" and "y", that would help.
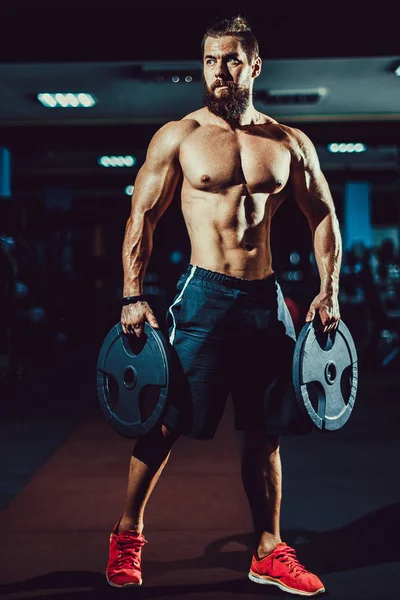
{"x": 249, "y": 117}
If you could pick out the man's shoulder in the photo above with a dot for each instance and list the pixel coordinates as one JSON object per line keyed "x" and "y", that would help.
{"x": 279, "y": 130}
{"x": 301, "y": 147}
{"x": 175, "y": 130}
{"x": 198, "y": 117}
{"x": 170, "y": 136}
{"x": 296, "y": 137}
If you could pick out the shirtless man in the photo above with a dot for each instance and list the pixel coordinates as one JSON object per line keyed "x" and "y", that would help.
{"x": 237, "y": 166}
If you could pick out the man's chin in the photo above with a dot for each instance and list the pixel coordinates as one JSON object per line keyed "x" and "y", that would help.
{"x": 226, "y": 102}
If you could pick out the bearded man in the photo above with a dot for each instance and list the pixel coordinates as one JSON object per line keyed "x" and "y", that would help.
{"x": 229, "y": 326}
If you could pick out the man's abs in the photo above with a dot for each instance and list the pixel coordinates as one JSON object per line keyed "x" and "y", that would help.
{"x": 232, "y": 185}
{"x": 228, "y": 233}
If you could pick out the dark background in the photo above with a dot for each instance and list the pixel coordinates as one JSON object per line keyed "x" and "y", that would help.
{"x": 61, "y": 274}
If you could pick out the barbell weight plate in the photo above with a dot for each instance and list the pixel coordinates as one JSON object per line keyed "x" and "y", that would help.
{"x": 325, "y": 375}
{"x": 133, "y": 379}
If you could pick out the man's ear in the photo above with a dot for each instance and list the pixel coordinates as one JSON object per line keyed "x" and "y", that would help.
{"x": 256, "y": 67}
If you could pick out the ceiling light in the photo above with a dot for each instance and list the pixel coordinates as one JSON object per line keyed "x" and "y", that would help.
{"x": 68, "y": 100}
{"x": 130, "y": 161}
{"x": 61, "y": 99}
{"x": 168, "y": 76}
{"x": 284, "y": 97}
{"x": 342, "y": 148}
{"x": 129, "y": 190}
{"x": 86, "y": 100}
{"x": 47, "y": 100}
{"x": 116, "y": 161}
{"x": 360, "y": 147}
{"x": 72, "y": 100}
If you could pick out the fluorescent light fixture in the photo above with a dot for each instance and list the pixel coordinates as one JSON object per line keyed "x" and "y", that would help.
{"x": 67, "y": 100}
{"x": 47, "y": 100}
{"x": 397, "y": 71}
{"x": 168, "y": 75}
{"x": 116, "y": 161}
{"x": 129, "y": 190}
{"x": 292, "y": 96}
{"x": 344, "y": 148}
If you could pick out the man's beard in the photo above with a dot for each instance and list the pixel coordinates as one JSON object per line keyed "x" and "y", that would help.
{"x": 231, "y": 104}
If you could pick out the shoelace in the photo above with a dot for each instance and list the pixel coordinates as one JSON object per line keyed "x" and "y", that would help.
{"x": 288, "y": 556}
{"x": 128, "y": 548}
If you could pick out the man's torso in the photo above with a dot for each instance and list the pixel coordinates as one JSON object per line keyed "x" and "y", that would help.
{"x": 233, "y": 183}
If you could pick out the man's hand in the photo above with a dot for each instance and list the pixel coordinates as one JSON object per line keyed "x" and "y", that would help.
{"x": 134, "y": 316}
{"x": 327, "y": 306}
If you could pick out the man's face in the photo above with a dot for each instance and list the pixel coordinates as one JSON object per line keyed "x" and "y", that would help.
{"x": 228, "y": 77}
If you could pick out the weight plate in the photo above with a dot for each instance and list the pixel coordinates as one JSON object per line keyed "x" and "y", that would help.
{"x": 325, "y": 375}
{"x": 133, "y": 379}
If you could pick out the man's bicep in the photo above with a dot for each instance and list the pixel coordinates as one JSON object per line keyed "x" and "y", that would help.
{"x": 154, "y": 189}
{"x": 309, "y": 185}
{"x": 157, "y": 179}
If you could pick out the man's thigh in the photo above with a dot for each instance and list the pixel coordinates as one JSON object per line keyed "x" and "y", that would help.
{"x": 263, "y": 395}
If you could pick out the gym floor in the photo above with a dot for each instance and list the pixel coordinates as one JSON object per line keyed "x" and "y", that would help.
{"x": 63, "y": 476}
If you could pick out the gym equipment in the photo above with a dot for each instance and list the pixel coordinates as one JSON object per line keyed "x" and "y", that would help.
{"x": 133, "y": 376}
{"x": 325, "y": 375}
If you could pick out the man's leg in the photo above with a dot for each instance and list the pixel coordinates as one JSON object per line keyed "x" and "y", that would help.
{"x": 262, "y": 481}
{"x": 148, "y": 460}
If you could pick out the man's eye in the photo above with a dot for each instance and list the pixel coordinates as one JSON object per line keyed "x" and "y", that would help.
{"x": 233, "y": 60}
{"x": 210, "y": 61}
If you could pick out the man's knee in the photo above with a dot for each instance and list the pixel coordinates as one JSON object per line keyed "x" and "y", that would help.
{"x": 154, "y": 447}
{"x": 258, "y": 443}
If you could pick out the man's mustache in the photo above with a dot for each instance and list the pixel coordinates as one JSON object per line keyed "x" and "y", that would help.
{"x": 218, "y": 84}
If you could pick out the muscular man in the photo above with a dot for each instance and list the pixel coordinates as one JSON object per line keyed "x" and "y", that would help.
{"x": 237, "y": 166}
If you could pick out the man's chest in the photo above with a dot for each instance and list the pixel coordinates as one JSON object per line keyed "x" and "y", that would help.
{"x": 214, "y": 159}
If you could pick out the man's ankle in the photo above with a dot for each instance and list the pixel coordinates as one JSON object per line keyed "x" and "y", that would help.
{"x": 267, "y": 545}
{"x": 129, "y": 525}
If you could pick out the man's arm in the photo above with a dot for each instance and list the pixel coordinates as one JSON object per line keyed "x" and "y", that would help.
{"x": 154, "y": 189}
{"x": 313, "y": 196}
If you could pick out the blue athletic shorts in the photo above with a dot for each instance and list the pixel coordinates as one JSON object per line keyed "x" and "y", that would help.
{"x": 231, "y": 336}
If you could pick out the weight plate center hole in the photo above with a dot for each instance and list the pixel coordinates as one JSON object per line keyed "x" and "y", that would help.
{"x": 130, "y": 378}
{"x": 330, "y": 372}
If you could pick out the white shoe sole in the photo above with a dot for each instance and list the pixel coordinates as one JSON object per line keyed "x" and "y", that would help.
{"x": 125, "y": 585}
{"x": 283, "y": 587}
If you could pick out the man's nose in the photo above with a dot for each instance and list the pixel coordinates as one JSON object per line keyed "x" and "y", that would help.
{"x": 221, "y": 70}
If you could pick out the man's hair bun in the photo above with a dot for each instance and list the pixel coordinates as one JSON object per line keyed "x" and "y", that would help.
{"x": 239, "y": 27}
{"x": 239, "y": 24}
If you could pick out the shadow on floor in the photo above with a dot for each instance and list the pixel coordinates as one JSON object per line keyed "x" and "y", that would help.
{"x": 63, "y": 581}
{"x": 370, "y": 540}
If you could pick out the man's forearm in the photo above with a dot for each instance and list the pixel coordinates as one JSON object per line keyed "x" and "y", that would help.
{"x": 328, "y": 252}
{"x": 136, "y": 252}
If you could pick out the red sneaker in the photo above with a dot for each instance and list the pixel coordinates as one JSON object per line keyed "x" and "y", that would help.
{"x": 281, "y": 568}
{"x": 123, "y": 568}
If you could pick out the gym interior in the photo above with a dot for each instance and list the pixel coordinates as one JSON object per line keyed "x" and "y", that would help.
{"x": 81, "y": 96}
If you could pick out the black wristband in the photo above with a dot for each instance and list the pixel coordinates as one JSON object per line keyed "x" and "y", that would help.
{"x": 132, "y": 299}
